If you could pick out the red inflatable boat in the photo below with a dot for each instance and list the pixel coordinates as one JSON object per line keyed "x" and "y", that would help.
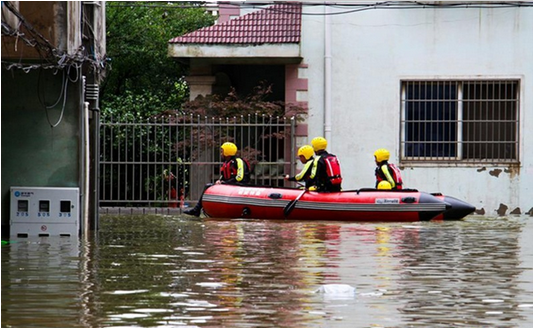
{"x": 230, "y": 201}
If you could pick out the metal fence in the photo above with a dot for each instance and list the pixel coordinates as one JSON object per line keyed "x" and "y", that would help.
{"x": 168, "y": 160}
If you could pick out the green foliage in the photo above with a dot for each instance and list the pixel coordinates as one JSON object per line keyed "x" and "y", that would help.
{"x": 141, "y": 73}
{"x": 145, "y": 86}
{"x": 253, "y": 109}
{"x": 233, "y": 104}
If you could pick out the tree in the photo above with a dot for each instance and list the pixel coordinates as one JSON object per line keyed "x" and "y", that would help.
{"x": 141, "y": 83}
{"x": 143, "y": 80}
{"x": 144, "y": 86}
{"x": 253, "y": 108}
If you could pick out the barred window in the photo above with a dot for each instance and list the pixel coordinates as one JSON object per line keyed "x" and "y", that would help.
{"x": 460, "y": 121}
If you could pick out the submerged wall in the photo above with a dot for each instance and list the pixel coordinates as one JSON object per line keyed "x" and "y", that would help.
{"x": 34, "y": 154}
{"x": 374, "y": 50}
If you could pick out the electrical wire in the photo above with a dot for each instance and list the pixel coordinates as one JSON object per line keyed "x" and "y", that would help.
{"x": 53, "y": 60}
{"x": 63, "y": 80}
{"x": 62, "y": 109}
{"x": 51, "y": 57}
{"x": 342, "y": 5}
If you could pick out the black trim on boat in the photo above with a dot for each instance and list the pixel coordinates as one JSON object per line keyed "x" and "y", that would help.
{"x": 358, "y": 191}
{"x": 429, "y": 199}
{"x": 458, "y": 209}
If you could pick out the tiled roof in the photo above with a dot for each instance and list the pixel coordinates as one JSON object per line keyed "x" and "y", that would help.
{"x": 276, "y": 24}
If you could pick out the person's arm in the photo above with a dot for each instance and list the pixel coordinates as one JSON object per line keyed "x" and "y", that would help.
{"x": 221, "y": 177}
{"x": 315, "y": 175}
{"x": 377, "y": 177}
{"x": 304, "y": 173}
{"x": 288, "y": 178}
{"x": 240, "y": 175}
{"x": 387, "y": 174}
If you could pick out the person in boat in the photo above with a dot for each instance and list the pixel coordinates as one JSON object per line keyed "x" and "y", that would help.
{"x": 234, "y": 170}
{"x": 305, "y": 154}
{"x": 326, "y": 170}
{"x": 386, "y": 171}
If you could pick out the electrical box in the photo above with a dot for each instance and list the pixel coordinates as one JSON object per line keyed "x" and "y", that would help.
{"x": 42, "y": 211}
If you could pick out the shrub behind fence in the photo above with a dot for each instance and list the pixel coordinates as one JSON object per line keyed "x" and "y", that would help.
{"x": 168, "y": 159}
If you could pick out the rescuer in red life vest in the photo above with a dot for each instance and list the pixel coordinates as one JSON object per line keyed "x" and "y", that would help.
{"x": 386, "y": 171}
{"x": 234, "y": 170}
{"x": 326, "y": 170}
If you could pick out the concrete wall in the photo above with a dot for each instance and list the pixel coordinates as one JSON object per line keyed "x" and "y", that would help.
{"x": 57, "y": 21}
{"x": 33, "y": 153}
{"x": 373, "y": 50}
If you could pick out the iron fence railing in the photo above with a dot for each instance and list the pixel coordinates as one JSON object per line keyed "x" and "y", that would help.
{"x": 165, "y": 160}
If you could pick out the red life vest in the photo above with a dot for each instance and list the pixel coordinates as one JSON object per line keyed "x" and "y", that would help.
{"x": 397, "y": 178}
{"x": 397, "y": 175}
{"x": 229, "y": 169}
{"x": 333, "y": 169}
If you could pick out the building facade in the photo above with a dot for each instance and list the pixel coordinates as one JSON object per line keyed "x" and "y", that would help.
{"x": 53, "y": 59}
{"x": 445, "y": 87}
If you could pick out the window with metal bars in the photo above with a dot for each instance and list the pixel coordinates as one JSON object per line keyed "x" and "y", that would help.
{"x": 471, "y": 121}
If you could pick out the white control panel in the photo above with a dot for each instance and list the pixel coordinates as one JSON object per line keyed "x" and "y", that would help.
{"x": 43, "y": 211}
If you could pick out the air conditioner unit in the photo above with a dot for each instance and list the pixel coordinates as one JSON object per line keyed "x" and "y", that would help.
{"x": 43, "y": 211}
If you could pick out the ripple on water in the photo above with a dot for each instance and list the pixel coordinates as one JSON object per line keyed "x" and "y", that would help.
{"x": 162, "y": 271}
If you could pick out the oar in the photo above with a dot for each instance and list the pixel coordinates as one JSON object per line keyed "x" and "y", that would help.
{"x": 289, "y": 207}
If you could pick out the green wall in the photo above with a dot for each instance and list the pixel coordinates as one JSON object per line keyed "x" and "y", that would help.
{"x": 33, "y": 153}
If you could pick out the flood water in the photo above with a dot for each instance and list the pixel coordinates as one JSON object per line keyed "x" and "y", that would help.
{"x": 173, "y": 271}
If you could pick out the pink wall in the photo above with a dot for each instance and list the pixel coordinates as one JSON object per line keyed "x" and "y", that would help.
{"x": 226, "y": 11}
{"x": 293, "y": 85}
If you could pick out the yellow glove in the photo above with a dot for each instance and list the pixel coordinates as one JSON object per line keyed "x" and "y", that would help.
{"x": 312, "y": 188}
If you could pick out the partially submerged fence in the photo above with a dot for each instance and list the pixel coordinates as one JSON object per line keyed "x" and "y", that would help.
{"x": 168, "y": 159}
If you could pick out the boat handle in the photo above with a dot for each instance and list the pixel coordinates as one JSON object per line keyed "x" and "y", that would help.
{"x": 275, "y": 196}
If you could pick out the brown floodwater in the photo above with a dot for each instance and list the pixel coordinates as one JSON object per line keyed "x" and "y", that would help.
{"x": 177, "y": 271}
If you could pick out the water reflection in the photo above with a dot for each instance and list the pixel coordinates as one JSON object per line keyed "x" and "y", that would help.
{"x": 40, "y": 282}
{"x": 465, "y": 268}
{"x": 153, "y": 271}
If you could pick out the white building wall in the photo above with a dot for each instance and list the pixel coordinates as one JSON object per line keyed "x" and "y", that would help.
{"x": 373, "y": 50}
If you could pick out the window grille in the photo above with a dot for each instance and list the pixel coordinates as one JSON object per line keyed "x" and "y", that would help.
{"x": 469, "y": 121}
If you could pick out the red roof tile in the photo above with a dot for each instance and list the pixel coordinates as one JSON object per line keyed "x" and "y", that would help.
{"x": 276, "y": 24}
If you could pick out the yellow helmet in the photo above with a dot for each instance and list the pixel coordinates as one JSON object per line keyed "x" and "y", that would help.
{"x": 381, "y": 155}
{"x": 306, "y": 151}
{"x": 229, "y": 149}
{"x": 384, "y": 185}
{"x": 319, "y": 143}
